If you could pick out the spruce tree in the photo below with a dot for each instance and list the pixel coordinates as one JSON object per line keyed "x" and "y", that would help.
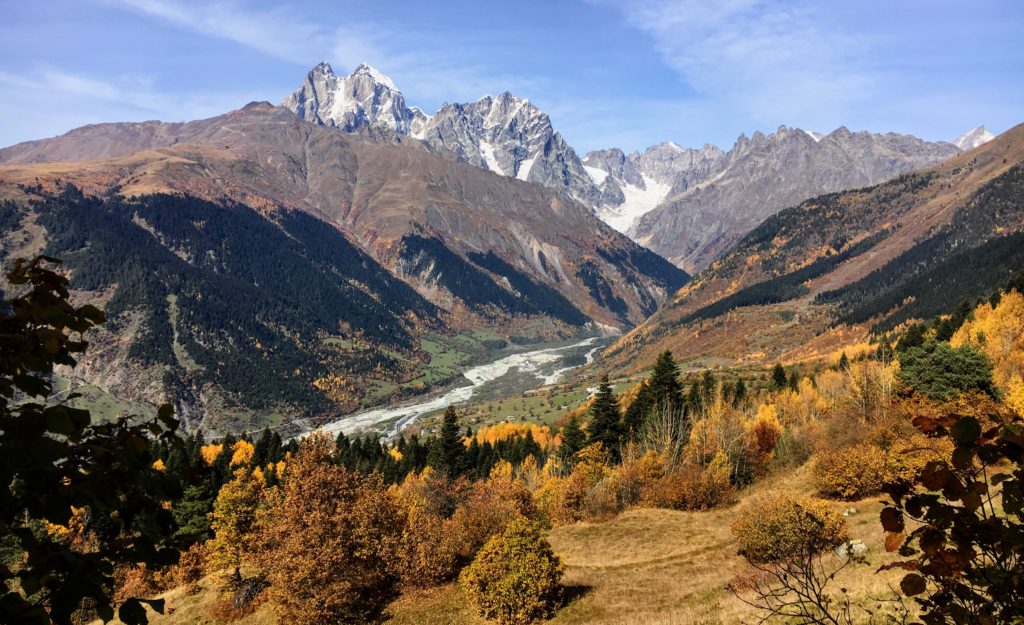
{"x": 191, "y": 513}
{"x": 707, "y": 388}
{"x": 778, "y": 377}
{"x": 636, "y": 415}
{"x": 739, "y": 394}
{"x": 573, "y": 440}
{"x": 447, "y": 450}
{"x": 605, "y": 419}
{"x": 666, "y": 388}
{"x": 844, "y": 362}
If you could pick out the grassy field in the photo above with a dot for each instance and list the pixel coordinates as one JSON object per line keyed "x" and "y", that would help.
{"x": 644, "y": 567}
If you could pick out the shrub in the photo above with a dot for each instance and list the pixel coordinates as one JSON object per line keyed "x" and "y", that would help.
{"x": 190, "y": 569}
{"x": 514, "y": 578}
{"x": 852, "y": 472}
{"x": 430, "y": 551}
{"x": 780, "y": 527}
{"x": 487, "y": 509}
{"x": 634, "y": 477}
{"x": 586, "y": 493}
{"x": 691, "y": 487}
{"x": 785, "y": 539}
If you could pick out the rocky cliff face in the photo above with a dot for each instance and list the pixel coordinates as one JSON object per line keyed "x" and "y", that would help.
{"x": 702, "y": 216}
{"x": 633, "y": 185}
{"x": 688, "y": 204}
{"x": 363, "y": 99}
{"x": 512, "y": 137}
{"x": 815, "y": 276}
{"x": 506, "y": 135}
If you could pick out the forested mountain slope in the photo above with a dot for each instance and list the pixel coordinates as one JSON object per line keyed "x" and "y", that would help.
{"x": 908, "y": 248}
{"x": 309, "y": 262}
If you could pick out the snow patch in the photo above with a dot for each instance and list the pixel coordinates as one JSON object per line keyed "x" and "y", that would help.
{"x": 974, "y": 138}
{"x": 638, "y": 203}
{"x": 377, "y": 76}
{"x": 487, "y": 151}
{"x": 596, "y": 174}
{"x": 817, "y": 136}
{"x": 525, "y": 167}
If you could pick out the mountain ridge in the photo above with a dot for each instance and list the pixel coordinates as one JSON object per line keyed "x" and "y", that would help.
{"x": 812, "y": 277}
{"x": 423, "y": 217}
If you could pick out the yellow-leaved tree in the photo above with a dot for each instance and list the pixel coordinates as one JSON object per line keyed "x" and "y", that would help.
{"x": 234, "y": 520}
{"x": 999, "y": 332}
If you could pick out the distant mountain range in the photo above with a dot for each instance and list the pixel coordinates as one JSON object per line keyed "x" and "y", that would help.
{"x": 687, "y": 204}
{"x": 386, "y": 241}
{"x": 818, "y": 275}
{"x": 344, "y": 249}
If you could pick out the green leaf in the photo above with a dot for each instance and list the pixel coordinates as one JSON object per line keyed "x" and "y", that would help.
{"x": 59, "y": 421}
{"x": 131, "y": 612}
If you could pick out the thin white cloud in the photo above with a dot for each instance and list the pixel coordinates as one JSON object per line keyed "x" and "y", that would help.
{"x": 73, "y": 99}
{"x": 769, "y": 61}
{"x": 278, "y": 32}
{"x": 424, "y": 71}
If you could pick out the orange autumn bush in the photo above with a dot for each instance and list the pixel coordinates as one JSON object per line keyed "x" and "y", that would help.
{"x": 331, "y": 541}
{"x": 487, "y": 509}
{"x": 852, "y": 472}
{"x": 586, "y": 493}
{"x": 691, "y": 487}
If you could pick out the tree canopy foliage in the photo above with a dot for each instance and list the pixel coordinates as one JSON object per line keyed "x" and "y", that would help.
{"x": 54, "y": 462}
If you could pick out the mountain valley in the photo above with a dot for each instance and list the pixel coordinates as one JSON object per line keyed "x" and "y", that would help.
{"x": 531, "y": 340}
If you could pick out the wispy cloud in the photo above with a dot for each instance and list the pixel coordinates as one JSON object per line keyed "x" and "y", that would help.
{"x": 50, "y": 100}
{"x": 277, "y": 32}
{"x": 430, "y": 71}
{"x": 767, "y": 60}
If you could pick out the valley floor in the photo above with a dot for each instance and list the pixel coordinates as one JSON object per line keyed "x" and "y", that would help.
{"x": 643, "y": 567}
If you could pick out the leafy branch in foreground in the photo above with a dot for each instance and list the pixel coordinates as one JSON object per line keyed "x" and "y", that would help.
{"x": 788, "y": 542}
{"x": 966, "y": 552}
{"x": 76, "y": 499}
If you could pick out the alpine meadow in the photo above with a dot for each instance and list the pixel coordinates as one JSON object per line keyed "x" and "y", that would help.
{"x": 282, "y": 343}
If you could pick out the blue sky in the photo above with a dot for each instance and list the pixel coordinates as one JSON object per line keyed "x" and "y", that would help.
{"x": 626, "y": 73}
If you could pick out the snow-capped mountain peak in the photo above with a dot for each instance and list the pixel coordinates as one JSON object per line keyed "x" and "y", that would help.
{"x": 973, "y": 138}
{"x": 375, "y": 74}
{"x": 365, "y": 98}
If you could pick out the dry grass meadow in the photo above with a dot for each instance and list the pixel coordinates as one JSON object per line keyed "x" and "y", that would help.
{"x": 644, "y": 567}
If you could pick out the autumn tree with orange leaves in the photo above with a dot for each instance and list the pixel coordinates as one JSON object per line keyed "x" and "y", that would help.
{"x": 329, "y": 543}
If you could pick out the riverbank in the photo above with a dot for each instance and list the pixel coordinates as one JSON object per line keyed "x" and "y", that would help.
{"x": 514, "y": 372}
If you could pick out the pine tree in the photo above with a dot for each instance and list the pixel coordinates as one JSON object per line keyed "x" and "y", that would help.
{"x": 778, "y": 377}
{"x": 665, "y": 385}
{"x": 447, "y": 450}
{"x": 794, "y": 381}
{"x": 739, "y": 393}
{"x": 844, "y": 362}
{"x": 605, "y": 419}
{"x": 913, "y": 337}
{"x": 191, "y": 513}
{"x": 261, "y": 455}
{"x": 573, "y": 440}
{"x": 636, "y": 414}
